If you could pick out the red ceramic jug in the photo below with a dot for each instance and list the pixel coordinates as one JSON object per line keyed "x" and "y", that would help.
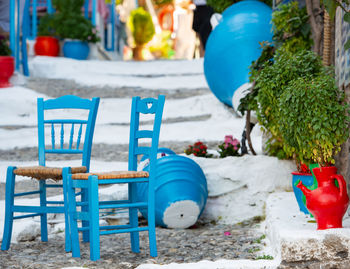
{"x": 327, "y": 203}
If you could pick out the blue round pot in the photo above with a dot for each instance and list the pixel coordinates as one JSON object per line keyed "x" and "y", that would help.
{"x": 179, "y": 182}
{"x": 233, "y": 45}
{"x": 76, "y": 49}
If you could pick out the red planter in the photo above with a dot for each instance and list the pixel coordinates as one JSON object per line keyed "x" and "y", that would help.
{"x": 7, "y": 67}
{"x": 46, "y": 46}
{"x": 327, "y": 203}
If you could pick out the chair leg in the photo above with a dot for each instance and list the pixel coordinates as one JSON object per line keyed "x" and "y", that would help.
{"x": 65, "y": 173}
{"x": 9, "y": 202}
{"x": 94, "y": 229}
{"x": 73, "y": 223}
{"x": 133, "y": 218}
{"x": 84, "y": 223}
{"x": 43, "y": 217}
{"x": 151, "y": 220}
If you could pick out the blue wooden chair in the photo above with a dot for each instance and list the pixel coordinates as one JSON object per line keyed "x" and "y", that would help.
{"x": 91, "y": 207}
{"x": 77, "y": 141}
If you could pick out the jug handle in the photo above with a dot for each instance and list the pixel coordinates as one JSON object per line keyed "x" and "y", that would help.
{"x": 342, "y": 184}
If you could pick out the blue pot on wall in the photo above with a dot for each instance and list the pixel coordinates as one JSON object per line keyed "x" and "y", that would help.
{"x": 307, "y": 180}
{"x": 180, "y": 191}
{"x": 76, "y": 49}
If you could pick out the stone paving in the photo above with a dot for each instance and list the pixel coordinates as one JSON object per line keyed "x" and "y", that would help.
{"x": 205, "y": 241}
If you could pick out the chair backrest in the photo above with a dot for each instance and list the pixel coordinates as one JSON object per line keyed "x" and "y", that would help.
{"x": 145, "y": 106}
{"x": 69, "y": 129}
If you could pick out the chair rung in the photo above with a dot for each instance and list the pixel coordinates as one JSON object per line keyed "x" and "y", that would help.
{"x": 26, "y": 216}
{"x": 38, "y": 209}
{"x": 140, "y": 204}
{"x": 138, "y": 229}
{"x": 82, "y": 229}
{"x": 82, "y": 203}
{"x": 55, "y": 202}
{"x": 123, "y": 180}
{"x": 64, "y": 151}
{"x": 54, "y": 186}
{"x": 114, "y": 202}
{"x": 26, "y": 193}
{"x": 111, "y": 227}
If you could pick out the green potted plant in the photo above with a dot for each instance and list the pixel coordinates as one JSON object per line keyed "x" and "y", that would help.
{"x": 314, "y": 125}
{"x": 46, "y": 44}
{"x": 142, "y": 29}
{"x": 313, "y": 119}
{"x": 7, "y": 63}
{"x": 68, "y": 23}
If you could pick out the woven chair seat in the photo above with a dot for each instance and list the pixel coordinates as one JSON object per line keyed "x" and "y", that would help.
{"x": 44, "y": 172}
{"x": 112, "y": 175}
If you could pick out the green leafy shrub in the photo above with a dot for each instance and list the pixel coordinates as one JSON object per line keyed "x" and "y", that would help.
{"x": 4, "y": 47}
{"x": 271, "y": 82}
{"x": 220, "y": 5}
{"x": 230, "y": 147}
{"x": 314, "y": 120}
{"x": 141, "y": 26}
{"x": 68, "y": 22}
{"x": 291, "y": 29}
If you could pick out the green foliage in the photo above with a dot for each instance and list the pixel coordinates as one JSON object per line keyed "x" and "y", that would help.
{"x": 199, "y": 149}
{"x": 47, "y": 25}
{"x": 141, "y": 26}
{"x": 271, "y": 82}
{"x": 220, "y": 5}
{"x": 248, "y": 102}
{"x": 264, "y": 257}
{"x": 4, "y": 47}
{"x": 68, "y": 22}
{"x": 291, "y": 28}
{"x": 313, "y": 118}
{"x": 162, "y": 2}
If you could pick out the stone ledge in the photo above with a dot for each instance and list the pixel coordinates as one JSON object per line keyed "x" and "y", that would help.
{"x": 295, "y": 240}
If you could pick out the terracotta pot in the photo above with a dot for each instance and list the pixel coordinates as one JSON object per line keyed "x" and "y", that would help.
{"x": 7, "y": 67}
{"x": 46, "y": 46}
{"x": 327, "y": 203}
{"x": 137, "y": 53}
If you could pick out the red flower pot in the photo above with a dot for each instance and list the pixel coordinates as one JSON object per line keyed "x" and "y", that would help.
{"x": 46, "y": 46}
{"x": 7, "y": 67}
{"x": 327, "y": 203}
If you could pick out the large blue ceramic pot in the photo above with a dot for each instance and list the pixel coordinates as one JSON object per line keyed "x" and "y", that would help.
{"x": 180, "y": 191}
{"x": 76, "y": 49}
{"x": 233, "y": 45}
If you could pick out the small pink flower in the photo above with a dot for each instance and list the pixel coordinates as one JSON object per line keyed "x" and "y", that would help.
{"x": 227, "y": 233}
{"x": 228, "y": 139}
{"x": 235, "y": 148}
{"x": 235, "y": 142}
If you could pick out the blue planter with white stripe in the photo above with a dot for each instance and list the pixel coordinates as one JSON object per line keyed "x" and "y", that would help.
{"x": 180, "y": 191}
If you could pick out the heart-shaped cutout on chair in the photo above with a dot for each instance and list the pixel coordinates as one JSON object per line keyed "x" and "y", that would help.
{"x": 149, "y": 105}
